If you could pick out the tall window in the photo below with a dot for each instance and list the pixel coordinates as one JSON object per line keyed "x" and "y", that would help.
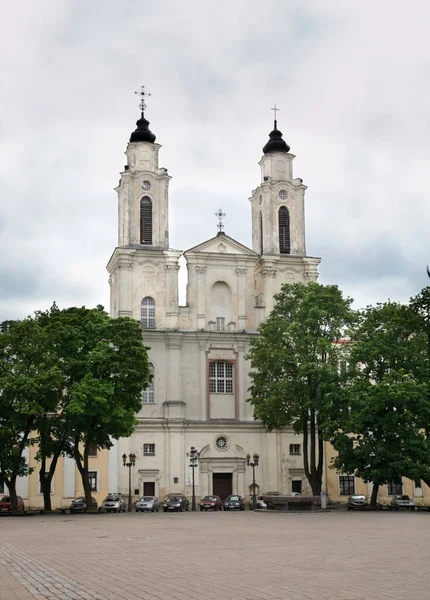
{"x": 146, "y": 220}
{"x": 346, "y": 485}
{"x": 40, "y": 485}
{"x": 394, "y": 488}
{"x": 92, "y": 478}
{"x": 220, "y": 323}
{"x": 1, "y": 484}
{"x": 284, "y": 230}
{"x": 221, "y": 378}
{"x": 261, "y": 233}
{"x": 148, "y": 393}
{"x": 147, "y": 313}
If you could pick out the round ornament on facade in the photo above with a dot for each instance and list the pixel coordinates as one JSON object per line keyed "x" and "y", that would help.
{"x": 146, "y": 185}
{"x": 283, "y": 194}
{"x": 221, "y": 442}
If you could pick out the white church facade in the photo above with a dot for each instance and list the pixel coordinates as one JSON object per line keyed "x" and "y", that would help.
{"x": 197, "y": 351}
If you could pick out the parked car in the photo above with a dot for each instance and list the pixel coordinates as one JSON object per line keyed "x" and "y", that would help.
{"x": 234, "y": 503}
{"x": 147, "y": 503}
{"x": 79, "y": 505}
{"x": 356, "y": 501}
{"x": 6, "y": 504}
{"x": 211, "y": 503}
{"x": 402, "y": 501}
{"x": 114, "y": 503}
{"x": 259, "y": 503}
{"x": 176, "y": 502}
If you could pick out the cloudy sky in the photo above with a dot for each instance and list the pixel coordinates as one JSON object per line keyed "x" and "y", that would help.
{"x": 352, "y": 81}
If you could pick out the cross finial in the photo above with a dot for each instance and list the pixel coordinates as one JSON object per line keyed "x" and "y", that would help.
{"x": 220, "y": 215}
{"x": 143, "y": 94}
{"x": 275, "y": 110}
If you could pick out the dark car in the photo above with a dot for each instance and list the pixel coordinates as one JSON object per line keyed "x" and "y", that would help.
{"x": 176, "y": 503}
{"x": 6, "y": 505}
{"x": 234, "y": 503}
{"x": 211, "y": 503}
{"x": 356, "y": 501}
{"x": 79, "y": 505}
{"x": 402, "y": 502}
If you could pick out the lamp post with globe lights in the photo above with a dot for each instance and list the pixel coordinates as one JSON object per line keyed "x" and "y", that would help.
{"x": 194, "y": 455}
{"x": 253, "y": 464}
{"x": 131, "y": 463}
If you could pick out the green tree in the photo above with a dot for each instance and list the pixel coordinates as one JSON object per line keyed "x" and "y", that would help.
{"x": 105, "y": 367}
{"x": 30, "y": 381}
{"x": 378, "y": 431}
{"x": 295, "y": 366}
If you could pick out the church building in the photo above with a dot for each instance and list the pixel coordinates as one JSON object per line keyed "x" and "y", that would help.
{"x": 197, "y": 351}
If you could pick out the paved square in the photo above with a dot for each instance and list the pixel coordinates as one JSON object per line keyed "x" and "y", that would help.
{"x": 212, "y": 556}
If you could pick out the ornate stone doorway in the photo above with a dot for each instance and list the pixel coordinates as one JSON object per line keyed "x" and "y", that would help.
{"x": 222, "y": 484}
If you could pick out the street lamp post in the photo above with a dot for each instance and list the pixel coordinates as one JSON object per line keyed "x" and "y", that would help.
{"x": 253, "y": 464}
{"x": 131, "y": 463}
{"x": 193, "y": 464}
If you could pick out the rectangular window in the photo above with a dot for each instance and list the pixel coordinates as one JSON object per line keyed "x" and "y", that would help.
{"x": 394, "y": 488}
{"x": 149, "y": 449}
{"x": 92, "y": 451}
{"x": 294, "y": 448}
{"x": 1, "y": 484}
{"x": 40, "y": 485}
{"x": 417, "y": 483}
{"x": 221, "y": 378}
{"x": 92, "y": 478}
{"x": 220, "y": 323}
{"x": 296, "y": 486}
{"x": 346, "y": 485}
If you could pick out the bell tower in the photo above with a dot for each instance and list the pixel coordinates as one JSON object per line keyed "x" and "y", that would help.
{"x": 143, "y": 269}
{"x": 278, "y": 224}
{"x": 143, "y": 190}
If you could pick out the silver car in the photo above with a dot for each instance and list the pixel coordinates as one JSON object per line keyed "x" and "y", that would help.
{"x": 356, "y": 501}
{"x": 149, "y": 503}
{"x": 114, "y": 503}
{"x": 402, "y": 501}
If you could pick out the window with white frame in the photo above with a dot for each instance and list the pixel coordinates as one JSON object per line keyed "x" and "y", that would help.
{"x": 220, "y": 323}
{"x": 221, "y": 378}
{"x": 148, "y": 393}
{"x": 147, "y": 313}
{"x": 148, "y": 449}
{"x": 40, "y": 485}
{"x": 93, "y": 479}
{"x": 346, "y": 485}
{"x": 294, "y": 448}
{"x": 417, "y": 484}
{"x": 394, "y": 488}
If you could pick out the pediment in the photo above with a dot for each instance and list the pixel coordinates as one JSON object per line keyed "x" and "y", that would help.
{"x": 221, "y": 244}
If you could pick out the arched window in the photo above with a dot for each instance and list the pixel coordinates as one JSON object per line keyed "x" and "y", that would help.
{"x": 147, "y": 313}
{"x": 221, "y": 378}
{"x": 148, "y": 393}
{"x": 284, "y": 230}
{"x": 261, "y": 233}
{"x": 146, "y": 220}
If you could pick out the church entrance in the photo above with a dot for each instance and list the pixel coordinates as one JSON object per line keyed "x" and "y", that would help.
{"x": 222, "y": 484}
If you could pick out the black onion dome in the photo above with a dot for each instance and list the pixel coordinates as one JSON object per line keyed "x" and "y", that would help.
{"x": 142, "y": 133}
{"x": 276, "y": 143}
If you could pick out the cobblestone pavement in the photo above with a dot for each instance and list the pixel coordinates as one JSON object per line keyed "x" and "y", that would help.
{"x": 216, "y": 556}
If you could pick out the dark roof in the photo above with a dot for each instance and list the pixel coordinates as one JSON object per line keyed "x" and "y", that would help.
{"x": 276, "y": 143}
{"x": 142, "y": 132}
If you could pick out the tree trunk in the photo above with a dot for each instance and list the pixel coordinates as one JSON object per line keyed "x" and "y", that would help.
{"x": 374, "y": 496}
{"x": 83, "y": 470}
{"x": 313, "y": 471}
{"x": 11, "y": 486}
{"x": 45, "y": 484}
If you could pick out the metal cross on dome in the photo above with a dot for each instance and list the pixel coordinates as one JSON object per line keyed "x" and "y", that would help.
{"x": 220, "y": 215}
{"x": 275, "y": 110}
{"x": 143, "y": 94}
